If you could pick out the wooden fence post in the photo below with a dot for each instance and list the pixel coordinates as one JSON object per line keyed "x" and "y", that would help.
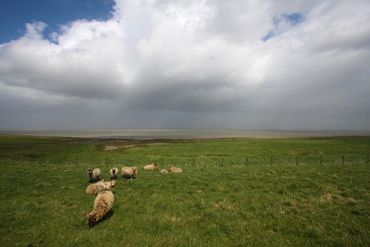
{"x": 246, "y": 161}
{"x": 342, "y": 159}
{"x": 193, "y": 161}
{"x": 222, "y": 162}
{"x": 296, "y": 160}
{"x": 320, "y": 158}
{"x": 368, "y": 158}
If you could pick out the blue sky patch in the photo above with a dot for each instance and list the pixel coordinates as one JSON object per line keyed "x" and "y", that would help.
{"x": 14, "y": 14}
{"x": 293, "y": 19}
{"x": 268, "y": 36}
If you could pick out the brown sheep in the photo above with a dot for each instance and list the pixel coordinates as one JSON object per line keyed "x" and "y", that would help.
{"x": 100, "y": 186}
{"x": 102, "y": 204}
{"x": 129, "y": 172}
{"x": 113, "y": 173}
{"x": 175, "y": 169}
{"x": 151, "y": 167}
{"x": 94, "y": 174}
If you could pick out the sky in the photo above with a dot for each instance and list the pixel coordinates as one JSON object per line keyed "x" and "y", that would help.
{"x": 258, "y": 64}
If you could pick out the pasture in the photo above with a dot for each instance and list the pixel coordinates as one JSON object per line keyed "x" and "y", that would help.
{"x": 233, "y": 192}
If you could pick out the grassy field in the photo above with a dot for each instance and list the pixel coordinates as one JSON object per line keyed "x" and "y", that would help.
{"x": 233, "y": 192}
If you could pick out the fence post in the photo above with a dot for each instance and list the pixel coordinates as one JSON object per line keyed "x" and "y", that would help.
{"x": 222, "y": 162}
{"x": 342, "y": 159}
{"x": 320, "y": 158}
{"x": 296, "y": 160}
{"x": 246, "y": 161}
{"x": 271, "y": 160}
{"x": 193, "y": 161}
{"x": 368, "y": 158}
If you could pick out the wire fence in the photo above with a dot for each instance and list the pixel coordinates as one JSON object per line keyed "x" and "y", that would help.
{"x": 211, "y": 161}
{"x": 205, "y": 161}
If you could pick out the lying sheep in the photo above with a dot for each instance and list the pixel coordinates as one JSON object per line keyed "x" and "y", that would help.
{"x": 129, "y": 172}
{"x": 163, "y": 171}
{"x": 151, "y": 167}
{"x": 102, "y": 204}
{"x": 94, "y": 174}
{"x": 175, "y": 169}
{"x": 100, "y": 186}
{"x": 113, "y": 173}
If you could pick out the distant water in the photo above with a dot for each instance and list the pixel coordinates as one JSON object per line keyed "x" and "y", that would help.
{"x": 147, "y": 134}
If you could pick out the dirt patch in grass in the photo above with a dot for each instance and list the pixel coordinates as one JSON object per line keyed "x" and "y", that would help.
{"x": 110, "y": 148}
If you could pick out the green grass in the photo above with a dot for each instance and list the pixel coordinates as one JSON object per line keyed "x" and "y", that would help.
{"x": 255, "y": 204}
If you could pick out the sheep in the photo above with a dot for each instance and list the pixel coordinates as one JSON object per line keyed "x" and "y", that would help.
{"x": 113, "y": 173}
{"x": 151, "y": 167}
{"x": 100, "y": 186}
{"x": 102, "y": 204}
{"x": 94, "y": 174}
{"x": 129, "y": 172}
{"x": 163, "y": 171}
{"x": 175, "y": 169}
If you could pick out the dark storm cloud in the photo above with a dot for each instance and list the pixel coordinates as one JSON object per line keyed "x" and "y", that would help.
{"x": 194, "y": 64}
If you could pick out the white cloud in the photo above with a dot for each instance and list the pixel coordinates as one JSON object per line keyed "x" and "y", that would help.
{"x": 172, "y": 61}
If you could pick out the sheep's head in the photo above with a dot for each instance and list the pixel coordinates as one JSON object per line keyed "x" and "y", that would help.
{"x": 90, "y": 171}
{"x": 91, "y": 220}
{"x": 134, "y": 169}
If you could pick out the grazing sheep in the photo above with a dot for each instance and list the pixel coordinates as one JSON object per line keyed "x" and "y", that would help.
{"x": 102, "y": 204}
{"x": 129, "y": 172}
{"x": 151, "y": 167}
{"x": 100, "y": 186}
{"x": 163, "y": 171}
{"x": 113, "y": 173}
{"x": 94, "y": 174}
{"x": 175, "y": 169}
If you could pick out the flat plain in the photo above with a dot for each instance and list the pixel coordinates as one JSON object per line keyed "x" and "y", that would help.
{"x": 232, "y": 192}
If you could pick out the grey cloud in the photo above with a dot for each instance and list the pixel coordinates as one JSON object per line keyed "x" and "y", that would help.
{"x": 194, "y": 64}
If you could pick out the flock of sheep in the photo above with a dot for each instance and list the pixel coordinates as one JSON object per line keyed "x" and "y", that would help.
{"x": 102, "y": 189}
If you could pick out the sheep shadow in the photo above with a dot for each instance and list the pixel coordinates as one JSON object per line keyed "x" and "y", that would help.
{"x": 92, "y": 181}
{"x": 105, "y": 217}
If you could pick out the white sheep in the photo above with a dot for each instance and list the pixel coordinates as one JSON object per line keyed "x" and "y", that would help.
{"x": 102, "y": 204}
{"x": 100, "y": 186}
{"x": 163, "y": 171}
{"x": 175, "y": 169}
{"x": 151, "y": 167}
{"x": 94, "y": 174}
{"x": 129, "y": 172}
{"x": 113, "y": 173}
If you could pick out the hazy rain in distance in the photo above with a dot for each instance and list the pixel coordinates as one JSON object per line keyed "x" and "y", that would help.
{"x": 185, "y": 64}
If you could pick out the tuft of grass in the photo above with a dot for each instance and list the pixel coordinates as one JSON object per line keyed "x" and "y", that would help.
{"x": 212, "y": 203}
